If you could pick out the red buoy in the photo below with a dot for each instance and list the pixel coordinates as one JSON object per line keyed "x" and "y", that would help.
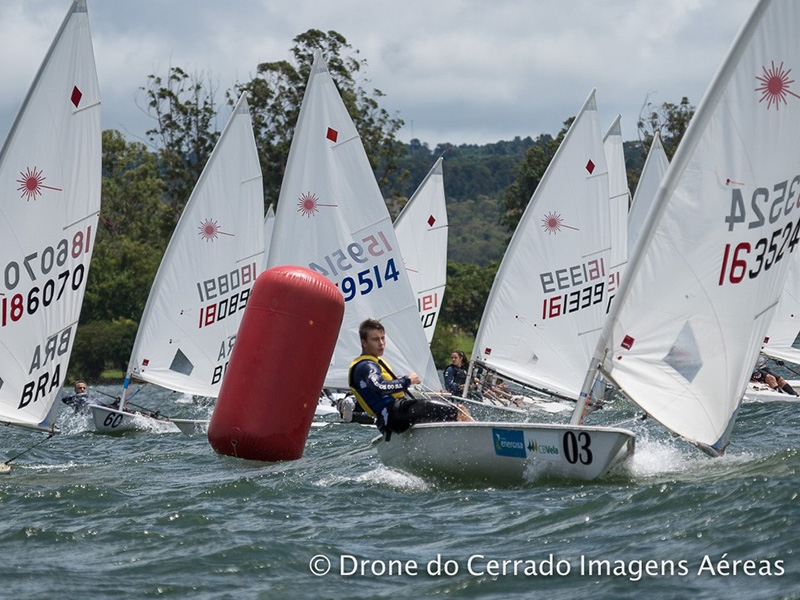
{"x": 277, "y": 366}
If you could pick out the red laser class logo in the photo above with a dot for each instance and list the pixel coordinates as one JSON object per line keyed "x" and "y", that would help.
{"x": 308, "y": 204}
{"x": 31, "y": 184}
{"x": 210, "y": 230}
{"x": 774, "y": 86}
{"x": 552, "y": 223}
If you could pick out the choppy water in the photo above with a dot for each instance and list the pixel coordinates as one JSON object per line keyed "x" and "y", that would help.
{"x": 158, "y": 514}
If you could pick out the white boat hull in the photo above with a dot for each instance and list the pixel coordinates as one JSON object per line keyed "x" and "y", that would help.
{"x": 525, "y": 411}
{"x": 191, "y": 426}
{"x": 111, "y": 420}
{"x": 758, "y": 392}
{"x": 488, "y": 411}
{"x": 506, "y": 453}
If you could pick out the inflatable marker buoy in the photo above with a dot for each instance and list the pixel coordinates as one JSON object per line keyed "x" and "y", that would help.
{"x": 277, "y": 366}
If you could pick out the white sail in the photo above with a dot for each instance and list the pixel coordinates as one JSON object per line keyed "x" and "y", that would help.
{"x": 655, "y": 165}
{"x": 783, "y": 336}
{"x": 421, "y": 230}
{"x": 332, "y": 218}
{"x": 199, "y": 294}
{"x": 620, "y": 197}
{"x": 549, "y": 298}
{"x": 50, "y": 173}
{"x": 703, "y": 283}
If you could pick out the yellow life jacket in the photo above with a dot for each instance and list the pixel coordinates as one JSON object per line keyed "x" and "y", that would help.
{"x": 385, "y": 371}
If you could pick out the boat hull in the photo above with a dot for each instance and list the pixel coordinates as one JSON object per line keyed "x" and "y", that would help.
{"x": 111, "y": 420}
{"x": 757, "y": 392}
{"x": 505, "y": 453}
{"x": 529, "y": 409}
{"x": 191, "y": 426}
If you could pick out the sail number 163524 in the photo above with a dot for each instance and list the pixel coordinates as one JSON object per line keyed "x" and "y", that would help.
{"x": 750, "y": 260}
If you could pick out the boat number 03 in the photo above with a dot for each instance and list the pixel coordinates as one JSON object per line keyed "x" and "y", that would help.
{"x": 576, "y": 447}
{"x": 113, "y": 420}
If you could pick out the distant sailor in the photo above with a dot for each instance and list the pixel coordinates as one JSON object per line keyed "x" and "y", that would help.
{"x": 81, "y": 399}
{"x": 455, "y": 374}
{"x": 384, "y": 396}
{"x": 762, "y": 374}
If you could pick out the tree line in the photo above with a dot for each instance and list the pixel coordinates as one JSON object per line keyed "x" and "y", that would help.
{"x": 145, "y": 186}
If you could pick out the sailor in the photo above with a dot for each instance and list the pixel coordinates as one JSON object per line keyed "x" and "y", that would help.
{"x": 351, "y": 411}
{"x": 762, "y": 374}
{"x": 81, "y": 400}
{"x": 383, "y": 395}
{"x": 455, "y": 374}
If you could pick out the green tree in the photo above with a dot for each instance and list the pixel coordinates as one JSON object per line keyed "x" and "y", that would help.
{"x": 101, "y": 345}
{"x": 468, "y": 288}
{"x": 185, "y": 134}
{"x": 133, "y": 190}
{"x": 134, "y": 227}
{"x": 475, "y": 235}
{"x": 669, "y": 120}
{"x": 133, "y": 230}
{"x": 276, "y": 93}
{"x": 529, "y": 174}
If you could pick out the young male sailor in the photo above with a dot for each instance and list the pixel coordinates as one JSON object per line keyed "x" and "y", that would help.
{"x": 385, "y": 396}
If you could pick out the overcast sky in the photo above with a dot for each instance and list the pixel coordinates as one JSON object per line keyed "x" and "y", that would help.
{"x": 458, "y": 71}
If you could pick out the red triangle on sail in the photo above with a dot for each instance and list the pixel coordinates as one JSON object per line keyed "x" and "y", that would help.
{"x": 76, "y": 96}
{"x": 332, "y": 134}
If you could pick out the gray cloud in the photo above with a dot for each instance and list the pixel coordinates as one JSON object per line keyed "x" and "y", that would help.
{"x": 458, "y": 71}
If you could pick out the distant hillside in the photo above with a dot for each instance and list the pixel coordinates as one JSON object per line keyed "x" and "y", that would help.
{"x": 475, "y": 179}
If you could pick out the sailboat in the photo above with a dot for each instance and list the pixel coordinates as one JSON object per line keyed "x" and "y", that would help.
{"x": 539, "y": 329}
{"x": 538, "y": 349}
{"x": 421, "y": 230}
{"x": 655, "y": 165}
{"x": 782, "y": 341}
{"x": 699, "y": 290}
{"x": 192, "y": 314}
{"x": 50, "y": 171}
{"x": 708, "y": 271}
{"x": 332, "y": 218}
{"x": 781, "y": 344}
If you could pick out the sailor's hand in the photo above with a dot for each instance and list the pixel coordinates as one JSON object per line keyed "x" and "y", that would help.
{"x": 414, "y": 378}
